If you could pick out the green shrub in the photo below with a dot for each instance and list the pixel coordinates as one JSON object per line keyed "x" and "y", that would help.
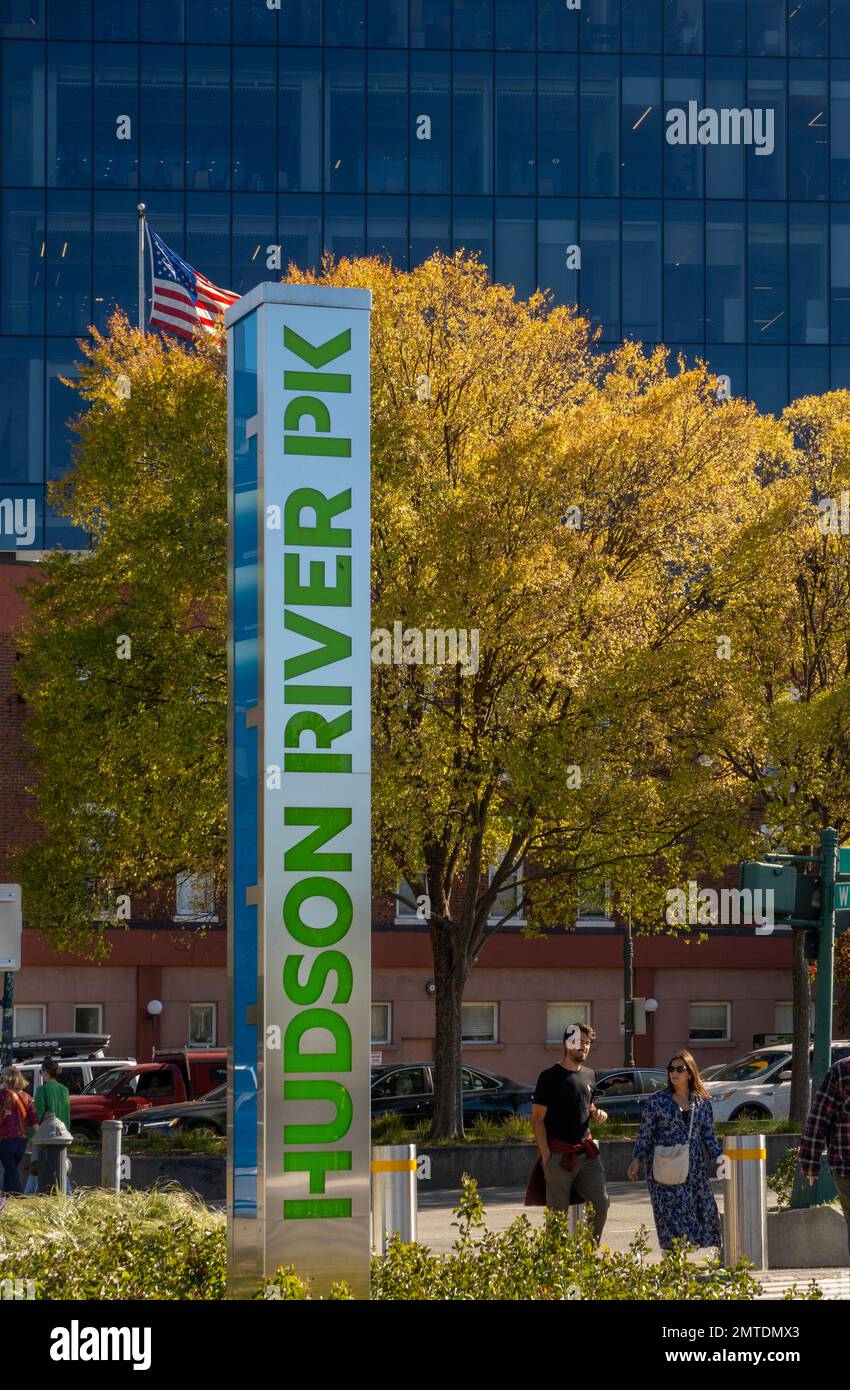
{"x": 161, "y": 1244}
{"x": 782, "y": 1182}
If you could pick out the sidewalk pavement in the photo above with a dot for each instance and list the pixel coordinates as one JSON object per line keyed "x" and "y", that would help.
{"x": 630, "y": 1208}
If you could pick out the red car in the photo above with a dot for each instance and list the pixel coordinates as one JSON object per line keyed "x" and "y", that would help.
{"x": 174, "y": 1077}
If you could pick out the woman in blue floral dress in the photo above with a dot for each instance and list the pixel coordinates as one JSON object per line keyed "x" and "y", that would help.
{"x": 685, "y": 1209}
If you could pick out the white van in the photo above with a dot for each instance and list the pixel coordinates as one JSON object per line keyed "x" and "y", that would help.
{"x": 758, "y": 1085}
{"x": 80, "y": 1057}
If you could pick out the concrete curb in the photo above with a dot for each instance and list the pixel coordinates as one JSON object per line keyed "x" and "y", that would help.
{"x": 814, "y": 1238}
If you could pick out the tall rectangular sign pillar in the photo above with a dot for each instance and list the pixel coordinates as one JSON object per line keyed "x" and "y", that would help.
{"x": 299, "y": 908}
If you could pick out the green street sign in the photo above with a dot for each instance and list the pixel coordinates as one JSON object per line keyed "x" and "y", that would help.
{"x": 842, "y": 897}
{"x": 844, "y": 859}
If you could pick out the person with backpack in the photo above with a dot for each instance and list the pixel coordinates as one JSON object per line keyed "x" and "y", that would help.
{"x": 17, "y": 1117}
{"x": 51, "y": 1097}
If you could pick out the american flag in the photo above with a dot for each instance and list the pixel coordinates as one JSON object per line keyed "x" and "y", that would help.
{"x": 184, "y": 300}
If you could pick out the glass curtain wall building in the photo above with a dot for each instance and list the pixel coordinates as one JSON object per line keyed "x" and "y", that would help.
{"x": 537, "y": 132}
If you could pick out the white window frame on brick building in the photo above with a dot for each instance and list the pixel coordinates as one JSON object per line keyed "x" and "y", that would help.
{"x": 507, "y": 898}
{"x": 479, "y": 1040}
{"x": 707, "y": 1034}
{"x": 194, "y": 899}
{"x": 403, "y": 911}
{"x": 98, "y": 1027}
{"x": 570, "y": 1011}
{"x": 594, "y": 908}
{"x": 385, "y": 1033}
{"x": 211, "y": 1040}
{"x": 18, "y": 1029}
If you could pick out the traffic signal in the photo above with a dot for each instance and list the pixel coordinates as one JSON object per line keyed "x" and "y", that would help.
{"x": 811, "y": 942}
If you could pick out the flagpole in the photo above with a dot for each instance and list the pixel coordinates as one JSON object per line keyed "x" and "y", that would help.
{"x": 141, "y": 212}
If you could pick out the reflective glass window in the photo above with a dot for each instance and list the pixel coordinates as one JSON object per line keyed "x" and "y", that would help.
{"x": 516, "y": 23}
{"x": 430, "y": 228}
{"x": 301, "y": 23}
{"x": 22, "y": 19}
{"x": 516, "y": 144}
{"x": 599, "y": 26}
{"x": 808, "y": 131}
{"x": 208, "y": 235}
{"x": 557, "y": 125}
{"x": 300, "y": 119}
{"x": 116, "y": 115}
{"x": 839, "y": 379}
{"x": 642, "y": 127}
{"x": 62, "y": 404}
{"x": 68, "y": 262}
{"x": 473, "y": 23}
{"x": 345, "y": 225}
{"x": 472, "y": 103}
{"x": 641, "y": 233}
{"x": 430, "y": 23}
{"x": 808, "y": 28}
{"x": 766, "y": 97}
{"x": 386, "y": 229}
{"x": 725, "y": 166}
{"x": 254, "y": 119}
{"x": 808, "y": 371}
{"x": 767, "y": 378}
{"x": 766, "y": 27}
{"x": 839, "y": 150}
{"x": 840, "y": 273}
{"x": 387, "y": 24}
{"x": 162, "y": 20}
{"x": 684, "y": 277}
{"x": 557, "y": 27}
{"x": 387, "y": 123}
{"x": 430, "y": 123}
{"x": 557, "y": 243}
{"x": 69, "y": 19}
{"x": 115, "y": 255}
{"x": 21, "y": 410}
{"x": 808, "y": 272}
{"x": 731, "y": 362}
{"x": 683, "y": 161}
{"x": 839, "y": 28}
{"x": 345, "y": 121}
{"x": 208, "y": 159}
{"x": 253, "y": 22}
{"x": 472, "y": 227}
{"x": 23, "y": 113}
{"x": 725, "y": 270}
{"x": 69, "y": 115}
{"x": 162, "y": 116}
{"x": 345, "y": 22}
{"x": 725, "y": 26}
{"x": 600, "y": 118}
{"x": 300, "y": 230}
{"x": 767, "y": 273}
{"x": 641, "y": 26}
{"x": 254, "y": 231}
{"x": 683, "y": 26}
{"x": 208, "y": 21}
{"x": 600, "y": 266}
{"x": 116, "y": 19}
{"x": 23, "y": 261}
{"x": 515, "y": 245}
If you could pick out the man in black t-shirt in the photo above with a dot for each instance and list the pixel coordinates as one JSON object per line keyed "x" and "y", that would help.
{"x": 561, "y": 1109}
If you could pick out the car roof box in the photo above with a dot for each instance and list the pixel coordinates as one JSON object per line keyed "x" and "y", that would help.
{"x": 64, "y": 1045}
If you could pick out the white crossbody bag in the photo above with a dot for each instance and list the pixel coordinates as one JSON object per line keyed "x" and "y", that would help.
{"x": 671, "y": 1162}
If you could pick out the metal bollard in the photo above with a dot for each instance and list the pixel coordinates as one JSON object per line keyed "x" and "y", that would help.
{"x": 575, "y": 1216}
{"x": 393, "y": 1194}
{"x": 110, "y": 1155}
{"x": 52, "y": 1140}
{"x": 745, "y": 1200}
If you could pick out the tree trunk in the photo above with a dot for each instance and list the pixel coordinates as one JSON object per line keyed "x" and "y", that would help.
{"x": 450, "y": 979}
{"x": 799, "y": 1101}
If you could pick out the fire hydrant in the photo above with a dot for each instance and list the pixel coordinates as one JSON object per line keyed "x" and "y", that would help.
{"x": 52, "y": 1140}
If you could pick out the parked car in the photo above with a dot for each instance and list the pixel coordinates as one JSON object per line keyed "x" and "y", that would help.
{"x": 187, "y": 1076}
{"x": 622, "y": 1094}
{"x": 408, "y": 1089}
{"x": 758, "y": 1085}
{"x": 207, "y": 1116}
{"x": 81, "y": 1058}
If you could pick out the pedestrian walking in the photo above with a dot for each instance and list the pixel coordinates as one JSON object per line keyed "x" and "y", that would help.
{"x": 17, "y": 1115}
{"x": 561, "y": 1110}
{"x": 828, "y": 1127}
{"x": 51, "y": 1097}
{"x": 677, "y": 1126}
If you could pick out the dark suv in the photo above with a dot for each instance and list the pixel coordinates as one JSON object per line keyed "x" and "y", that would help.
{"x": 408, "y": 1089}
